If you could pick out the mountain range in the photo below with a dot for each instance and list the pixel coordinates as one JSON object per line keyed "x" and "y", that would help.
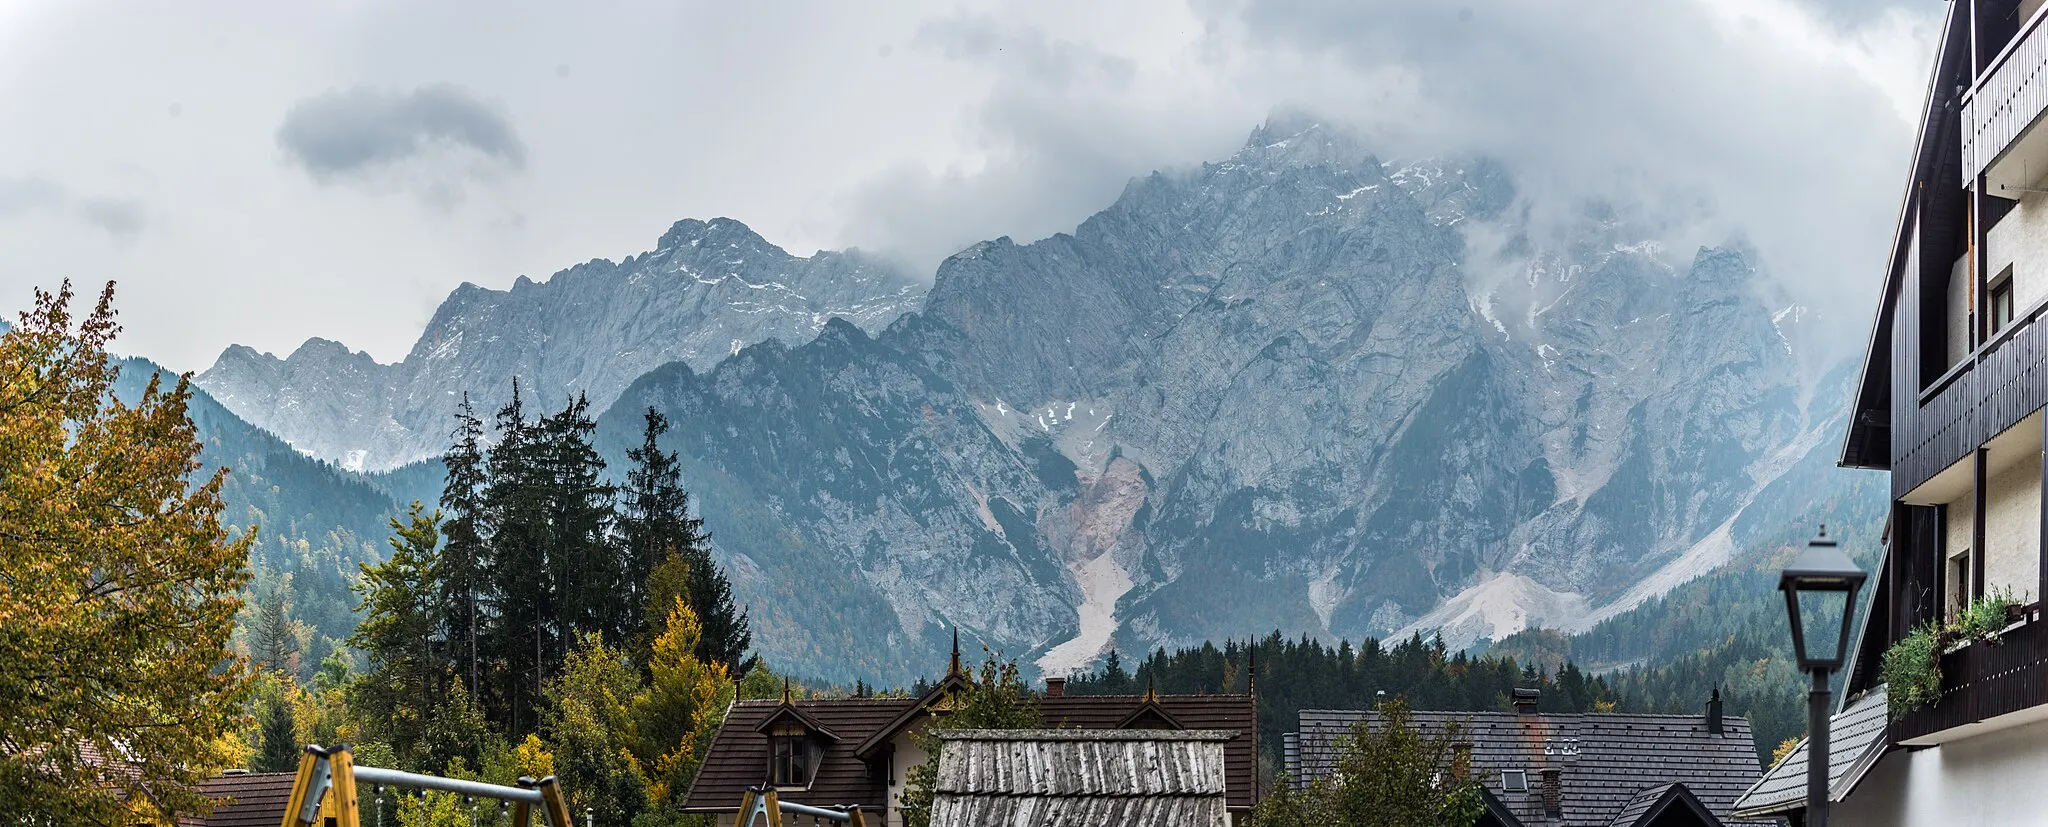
{"x": 1302, "y": 388}
{"x": 708, "y": 289}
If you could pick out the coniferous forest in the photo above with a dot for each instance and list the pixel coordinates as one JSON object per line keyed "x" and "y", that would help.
{"x": 537, "y": 620}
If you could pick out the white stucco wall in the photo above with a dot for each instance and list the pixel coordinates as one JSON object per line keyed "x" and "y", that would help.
{"x": 1958, "y": 528}
{"x": 2020, "y": 239}
{"x": 907, "y": 755}
{"x": 1995, "y": 778}
{"x": 1958, "y": 311}
{"x": 2012, "y": 529}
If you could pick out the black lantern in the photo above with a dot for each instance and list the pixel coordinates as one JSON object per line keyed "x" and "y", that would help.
{"x": 1820, "y": 596}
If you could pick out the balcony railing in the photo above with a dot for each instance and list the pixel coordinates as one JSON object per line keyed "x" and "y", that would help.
{"x": 1982, "y": 681}
{"x": 2013, "y": 93}
{"x": 2002, "y": 383}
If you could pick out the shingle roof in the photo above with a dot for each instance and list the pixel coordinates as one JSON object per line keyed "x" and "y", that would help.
{"x": 255, "y": 799}
{"x": 738, "y": 757}
{"x": 1640, "y": 805}
{"x": 1053, "y": 777}
{"x": 1856, "y": 739}
{"x": 1652, "y": 804}
{"x": 1605, "y": 759}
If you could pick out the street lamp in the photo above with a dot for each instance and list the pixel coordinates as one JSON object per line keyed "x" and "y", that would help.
{"x": 1820, "y": 596}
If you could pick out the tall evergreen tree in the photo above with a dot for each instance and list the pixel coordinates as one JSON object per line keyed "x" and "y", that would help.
{"x": 398, "y": 696}
{"x": 726, "y": 636}
{"x": 655, "y": 522}
{"x": 464, "y": 561}
{"x": 521, "y": 594}
{"x": 583, "y": 565}
{"x": 270, "y": 633}
{"x": 654, "y": 518}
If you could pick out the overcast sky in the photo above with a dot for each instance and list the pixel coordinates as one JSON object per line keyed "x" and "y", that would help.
{"x": 260, "y": 173}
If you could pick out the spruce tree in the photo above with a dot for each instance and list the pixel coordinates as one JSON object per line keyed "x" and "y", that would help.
{"x": 655, "y": 516}
{"x": 464, "y": 561}
{"x": 522, "y": 595}
{"x": 584, "y": 566}
{"x": 726, "y": 636}
{"x": 398, "y": 696}
{"x": 270, "y": 633}
{"x": 656, "y": 522}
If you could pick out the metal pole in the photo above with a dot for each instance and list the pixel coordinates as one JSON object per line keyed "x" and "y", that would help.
{"x": 1817, "y": 750}
{"x": 395, "y": 778}
{"x": 814, "y": 812}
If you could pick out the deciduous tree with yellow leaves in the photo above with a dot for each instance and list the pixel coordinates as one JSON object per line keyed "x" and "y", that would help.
{"x": 676, "y": 716}
{"x": 118, "y": 584}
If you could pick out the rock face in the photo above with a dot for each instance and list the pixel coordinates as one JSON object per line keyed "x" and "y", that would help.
{"x": 708, "y": 289}
{"x": 1290, "y": 390}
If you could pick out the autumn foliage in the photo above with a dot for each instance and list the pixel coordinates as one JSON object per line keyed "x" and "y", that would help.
{"x": 118, "y": 584}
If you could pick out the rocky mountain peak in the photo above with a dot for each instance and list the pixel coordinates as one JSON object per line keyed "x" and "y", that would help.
{"x": 712, "y": 288}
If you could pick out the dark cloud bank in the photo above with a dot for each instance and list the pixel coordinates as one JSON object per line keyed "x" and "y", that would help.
{"x": 431, "y": 138}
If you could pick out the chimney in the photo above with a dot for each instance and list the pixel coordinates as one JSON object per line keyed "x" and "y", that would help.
{"x": 1553, "y": 792}
{"x": 1055, "y": 687}
{"x": 1461, "y": 760}
{"x": 1714, "y": 712}
{"x": 1525, "y": 701}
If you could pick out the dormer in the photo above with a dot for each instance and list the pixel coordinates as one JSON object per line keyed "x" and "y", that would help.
{"x": 796, "y": 743}
{"x": 1149, "y": 714}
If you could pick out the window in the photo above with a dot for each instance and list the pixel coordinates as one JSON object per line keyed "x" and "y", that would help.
{"x": 788, "y": 762}
{"x": 1514, "y": 781}
{"x": 2001, "y": 302}
{"x": 1958, "y": 584}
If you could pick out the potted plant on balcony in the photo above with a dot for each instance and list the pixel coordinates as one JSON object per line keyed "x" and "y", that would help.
{"x": 1911, "y": 668}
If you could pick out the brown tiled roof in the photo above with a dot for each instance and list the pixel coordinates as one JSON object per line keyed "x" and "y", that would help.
{"x": 1606, "y": 759}
{"x": 738, "y": 757}
{"x": 254, "y": 799}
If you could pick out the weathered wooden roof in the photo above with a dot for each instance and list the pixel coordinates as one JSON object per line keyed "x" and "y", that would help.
{"x": 1049, "y": 777}
{"x": 1855, "y": 742}
{"x": 1605, "y": 760}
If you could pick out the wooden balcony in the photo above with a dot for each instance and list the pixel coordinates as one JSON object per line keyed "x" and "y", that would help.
{"x": 2009, "y": 97}
{"x": 2002, "y": 383}
{"x": 1981, "y": 683}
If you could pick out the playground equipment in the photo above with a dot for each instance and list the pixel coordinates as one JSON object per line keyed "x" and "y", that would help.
{"x": 760, "y": 803}
{"x": 325, "y": 791}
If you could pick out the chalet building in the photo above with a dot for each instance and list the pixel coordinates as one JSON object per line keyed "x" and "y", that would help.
{"x": 846, "y": 751}
{"x": 1950, "y": 403}
{"x": 1572, "y": 770}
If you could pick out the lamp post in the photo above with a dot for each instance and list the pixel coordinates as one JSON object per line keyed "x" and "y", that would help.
{"x": 1820, "y": 596}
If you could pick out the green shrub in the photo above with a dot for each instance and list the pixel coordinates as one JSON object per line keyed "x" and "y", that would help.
{"x": 1912, "y": 671}
{"x": 1985, "y": 618}
{"x": 1912, "y": 666}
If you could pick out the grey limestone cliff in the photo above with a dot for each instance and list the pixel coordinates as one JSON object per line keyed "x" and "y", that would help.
{"x": 708, "y": 289}
{"x": 1288, "y": 390}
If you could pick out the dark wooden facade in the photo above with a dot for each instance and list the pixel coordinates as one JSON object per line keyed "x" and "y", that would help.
{"x": 1923, "y": 411}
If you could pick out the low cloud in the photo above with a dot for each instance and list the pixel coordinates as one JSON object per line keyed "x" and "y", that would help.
{"x": 121, "y": 218}
{"x": 431, "y": 140}
{"x": 1778, "y": 124}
